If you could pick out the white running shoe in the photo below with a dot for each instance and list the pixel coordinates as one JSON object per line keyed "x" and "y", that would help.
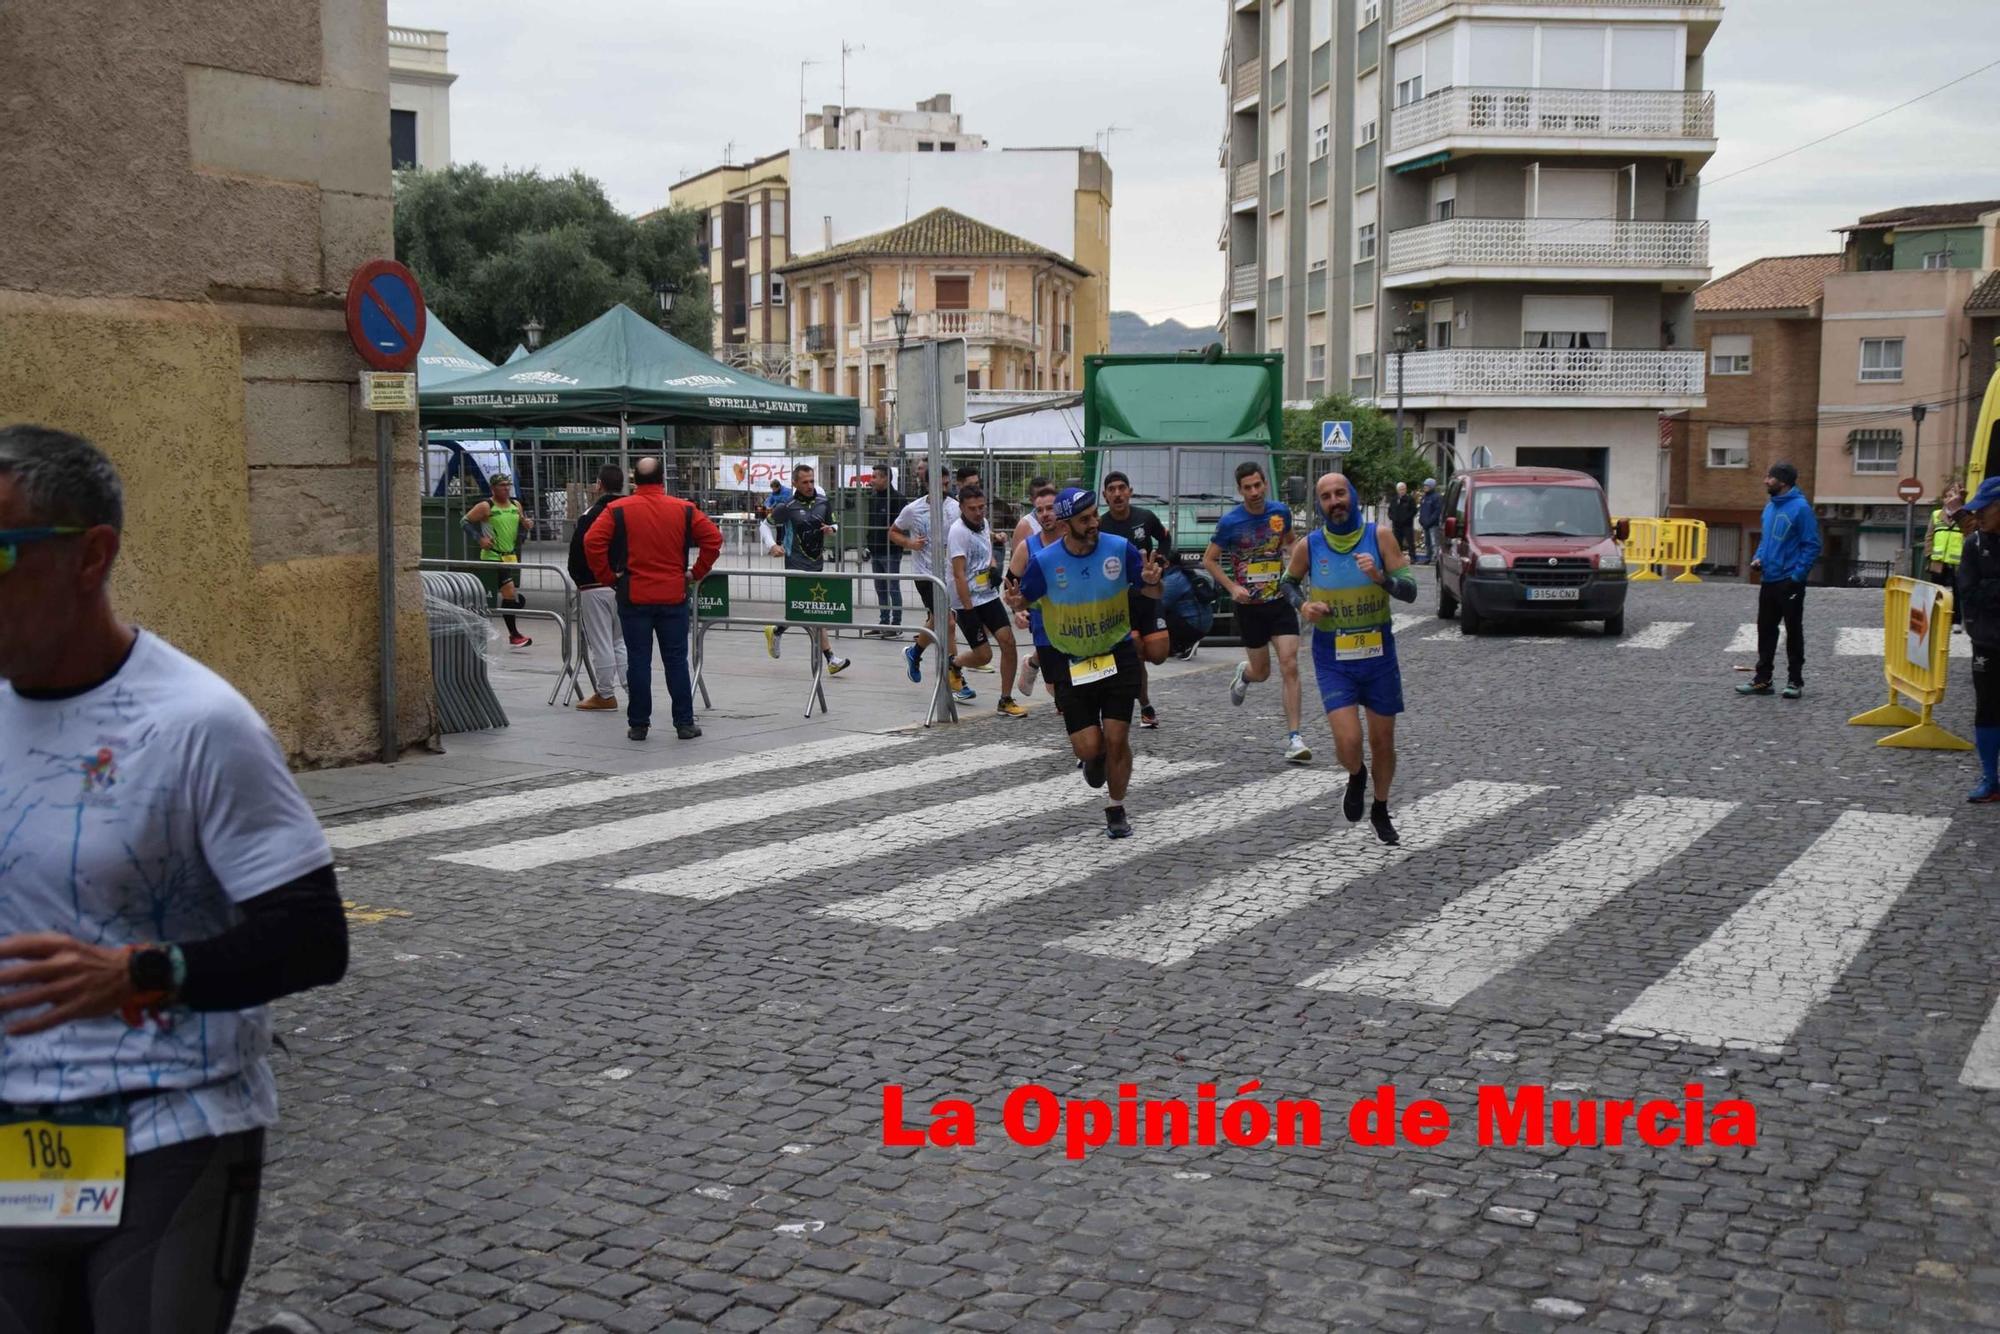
{"x": 1297, "y": 751}
{"x": 1030, "y": 668}
{"x": 1238, "y": 687}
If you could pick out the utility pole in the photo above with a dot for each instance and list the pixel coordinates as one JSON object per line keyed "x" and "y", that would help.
{"x": 1910, "y": 506}
{"x": 845, "y": 52}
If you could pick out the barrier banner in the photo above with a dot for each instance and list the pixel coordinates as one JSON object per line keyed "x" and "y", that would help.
{"x": 811, "y": 598}
{"x": 1923, "y": 616}
{"x": 758, "y": 471}
{"x": 712, "y": 598}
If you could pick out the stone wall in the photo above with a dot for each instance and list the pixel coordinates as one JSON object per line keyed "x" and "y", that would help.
{"x": 187, "y": 189}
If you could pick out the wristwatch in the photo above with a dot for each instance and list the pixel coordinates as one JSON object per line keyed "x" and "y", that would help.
{"x": 151, "y": 968}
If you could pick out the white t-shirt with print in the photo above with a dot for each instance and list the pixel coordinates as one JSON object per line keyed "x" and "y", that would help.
{"x": 144, "y": 810}
{"x": 915, "y": 521}
{"x": 982, "y": 576}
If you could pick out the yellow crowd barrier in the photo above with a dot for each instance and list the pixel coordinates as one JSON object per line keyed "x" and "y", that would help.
{"x": 1644, "y": 547}
{"x": 1664, "y": 542}
{"x": 1922, "y": 681}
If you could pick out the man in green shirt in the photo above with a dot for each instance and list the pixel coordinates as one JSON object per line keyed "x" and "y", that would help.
{"x": 497, "y": 526}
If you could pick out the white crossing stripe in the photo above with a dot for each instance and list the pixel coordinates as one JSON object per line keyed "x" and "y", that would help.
{"x": 642, "y": 831}
{"x": 1658, "y": 634}
{"x": 1752, "y": 982}
{"x": 1488, "y": 930}
{"x": 1745, "y": 641}
{"x": 1405, "y": 622}
{"x": 971, "y": 818}
{"x": 1862, "y": 641}
{"x": 1982, "y": 1063}
{"x": 1182, "y": 925}
{"x": 466, "y": 815}
{"x": 953, "y": 896}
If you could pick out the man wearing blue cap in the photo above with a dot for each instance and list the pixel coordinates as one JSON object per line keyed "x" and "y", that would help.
{"x": 1978, "y": 607}
{"x": 1082, "y": 586}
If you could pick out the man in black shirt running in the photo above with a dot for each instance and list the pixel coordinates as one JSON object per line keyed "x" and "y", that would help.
{"x": 1143, "y": 529}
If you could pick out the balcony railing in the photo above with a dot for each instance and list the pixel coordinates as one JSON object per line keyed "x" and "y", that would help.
{"x": 1243, "y": 285}
{"x": 1248, "y": 79}
{"x": 1243, "y": 183}
{"x": 1598, "y": 243}
{"x": 1554, "y": 113}
{"x": 773, "y": 361}
{"x": 1470, "y": 373}
{"x": 989, "y": 325}
{"x": 819, "y": 338}
{"x": 1409, "y": 11}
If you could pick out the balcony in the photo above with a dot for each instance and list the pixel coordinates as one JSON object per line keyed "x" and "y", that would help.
{"x": 1702, "y": 16}
{"x": 1555, "y": 120}
{"x": 1249, "y": 80}
{"x": 1243, "y": 287}
{"x": 1548, "y": 250}
{"x": 1507, "y": 377}
{"x": 980, "y": 326}
{"x": 772, "y": 361}
{"x": 819, "y": 337}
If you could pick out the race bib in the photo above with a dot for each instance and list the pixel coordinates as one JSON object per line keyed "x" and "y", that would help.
{"x": 1356, "y": 647}
{"x": 989, "y": 578}
{"x": 1264, "y": 572}
{"x": 62, "y": 1165}
{"x": 1082, "y": 671}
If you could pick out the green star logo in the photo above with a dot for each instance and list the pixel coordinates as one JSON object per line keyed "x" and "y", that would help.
{"x": 819, "y": 592}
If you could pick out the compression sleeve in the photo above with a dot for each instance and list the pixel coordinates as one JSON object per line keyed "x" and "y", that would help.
{"x": 1294, "y": 591}
{"x": 291, "y": 938}
{"x": 1402, "y": 585}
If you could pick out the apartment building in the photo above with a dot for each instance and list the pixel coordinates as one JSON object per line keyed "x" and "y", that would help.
{"x": 744, "y": 237}
{"x": 932, "y": 128}
{"x": 1485, "y": 211}
{"x": 1013, "y": 301}
{"x": 420, "y": 80}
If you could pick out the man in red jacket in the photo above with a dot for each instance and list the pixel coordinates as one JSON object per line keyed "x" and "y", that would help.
{"x": 639, "y": 546}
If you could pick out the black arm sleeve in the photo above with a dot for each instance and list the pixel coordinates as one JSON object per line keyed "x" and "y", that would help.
{"x": 291, "y": 938}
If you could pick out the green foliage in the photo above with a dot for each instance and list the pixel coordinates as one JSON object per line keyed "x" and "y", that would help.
{"x": 492, "y": 251}
{"x": 1376, "y": 464}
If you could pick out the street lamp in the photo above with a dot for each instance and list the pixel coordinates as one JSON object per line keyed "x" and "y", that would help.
{"x": 900, "y": 317}
{"x": 664, "y": 292}
{"x": 1405, "y": 335}
{"x": 532, "y": 330}
{"x": 1910, "y": 507}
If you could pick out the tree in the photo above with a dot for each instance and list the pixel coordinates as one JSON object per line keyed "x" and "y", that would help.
{"x": 494, "y": 251}
{"x": 1376, "y": 464}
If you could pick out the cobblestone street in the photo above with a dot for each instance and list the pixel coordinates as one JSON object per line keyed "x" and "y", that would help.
{"x": 612, "y": 1050}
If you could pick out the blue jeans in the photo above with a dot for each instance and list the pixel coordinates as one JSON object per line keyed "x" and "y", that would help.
{"x": 888, "y": 592}
{"x": 669, "y": 622}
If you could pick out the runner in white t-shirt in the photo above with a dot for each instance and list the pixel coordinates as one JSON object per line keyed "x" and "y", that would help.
{"x": 161, "y": 880}
{"x": 975, "y": 596}
{"x": 912, "y": 532}
{"x": 1038, "y": 528}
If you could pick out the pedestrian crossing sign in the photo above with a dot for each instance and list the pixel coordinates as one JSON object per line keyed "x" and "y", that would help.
{"x": 1336, "y": 437}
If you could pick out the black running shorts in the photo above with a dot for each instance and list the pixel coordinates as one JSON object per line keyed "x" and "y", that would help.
{"x": 977, "y": 621}
{"x": 1110, "y": 699}
{"x": 1258, "y": 623}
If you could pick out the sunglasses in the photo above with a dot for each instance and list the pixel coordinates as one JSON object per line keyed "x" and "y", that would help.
{"x": 13, "y": 539}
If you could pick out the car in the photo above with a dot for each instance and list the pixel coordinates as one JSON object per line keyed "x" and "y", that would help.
{"x": 1530, "y": 544}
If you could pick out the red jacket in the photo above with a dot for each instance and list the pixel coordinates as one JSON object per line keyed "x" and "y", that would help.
{"x": 639, "y": 545}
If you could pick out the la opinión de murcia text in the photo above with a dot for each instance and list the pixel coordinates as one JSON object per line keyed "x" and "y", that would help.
{"x": 1033, "y": 1116}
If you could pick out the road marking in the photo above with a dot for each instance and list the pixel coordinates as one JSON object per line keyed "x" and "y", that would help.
{"x": 971, "y": 818}
{"x": 1657, "y": 634}
{"x": 953, "y": 896}
{"x": 1745, "y": 641}
{"x": 469, "y": 815}
{"x": 1862, "y": 641}
{"x": 1752, "y": 983}
{"x": 644, "y": 831}
{"x": 1182, "y": 925}
{"x": 1488, "y": 930}
{"x": 1982, "y": 1063}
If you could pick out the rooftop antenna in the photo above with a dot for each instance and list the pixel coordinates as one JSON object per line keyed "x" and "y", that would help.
{"x": 802, "y": 92}
{"x": 1104, "y": 137}
{"x": 845, "y": 52}
{"x": 728, "y": 152}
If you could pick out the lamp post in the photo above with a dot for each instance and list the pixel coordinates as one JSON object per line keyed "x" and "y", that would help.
{"x": 532, "y": 331}
{"x": 1403, "y": 334}
{"x": 1910, "y": 506}
{"x": 664, "y": 292}
{"x": 900, "y": 318}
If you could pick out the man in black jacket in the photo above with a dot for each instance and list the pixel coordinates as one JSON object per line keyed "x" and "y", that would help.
{"x": 884, "y": 504}
{"x": 1979, "y": 608}
{"x": 1403, "y": 517}
{"x": 602, "y": 638}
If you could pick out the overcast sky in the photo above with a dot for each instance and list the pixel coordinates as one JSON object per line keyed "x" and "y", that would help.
{"x": 640, "y": 93}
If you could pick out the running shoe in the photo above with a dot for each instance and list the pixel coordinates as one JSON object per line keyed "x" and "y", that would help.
{"x": 1238, "y": 685}
{"x": 519, "y": 641}
{"x": 1986, "y": 794}
{"x": 1025, "y": 684}
{"x": 1093, "y": 771}
{"x": 1378, "y": 815}
{"x": 771, "y": 640}
{"x": 1357, "y": 788}
{"x": 890, "y": 632}
{"x": 1148, "y": 718}
{"x": 1187, "y": 655}
{"x": 835, "y": 666}
{"x": 913, "y": 663}
{"x": 959, "y": 689}
{"x": 1792, "y": 692}
{"x": 1297, "y": 751}
{"x": 1115, "y": 823}
{"x": 965, "y": 694}
{"x": 1754, "y": 688}
{"x": 982, "y": 667}
{"x": 1008, "y": 707}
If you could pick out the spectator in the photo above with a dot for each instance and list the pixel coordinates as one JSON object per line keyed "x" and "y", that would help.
{"x": 1943, "y": 539}
{"x": 1430, "y": 518}
{"x": 601, "y": 633}
{"x": 800, "y": 527}
{"x": 1784, "y": 558}
{"x": 884, "y": 504}
{"x": 1403, "y": 517}
{"x": 1978, "y": 605}
{"x": 639, "y": 545}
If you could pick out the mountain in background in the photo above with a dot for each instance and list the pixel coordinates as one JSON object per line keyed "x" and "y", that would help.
{"x": 1131, "y": 333}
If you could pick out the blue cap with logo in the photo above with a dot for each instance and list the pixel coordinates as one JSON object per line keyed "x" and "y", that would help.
{"x": 1987, "y": 494}
{"x": 1072, "y": 499}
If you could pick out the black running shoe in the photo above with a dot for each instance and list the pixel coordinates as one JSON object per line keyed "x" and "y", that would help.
{"x": 1378, "y": 815}
{"x": 1093, "y": 771}
{"x": 1357, "y": 788}
{"x": 1115, "y": 823}
{"x": 1148, "y": 718}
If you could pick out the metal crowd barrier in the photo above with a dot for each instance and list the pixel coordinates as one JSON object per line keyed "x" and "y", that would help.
{"x": 942, "y": 705}
{"x": 1914, "y": 609}
{"x": 568, "y": 620}
{"x": 464, "y": 695}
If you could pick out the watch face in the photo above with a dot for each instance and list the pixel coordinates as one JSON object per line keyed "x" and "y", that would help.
{"x": 152, "y": 970}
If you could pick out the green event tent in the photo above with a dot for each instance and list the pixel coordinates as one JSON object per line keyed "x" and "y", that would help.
{"x": 444, "y": 357}
{"x": 518, "y": 354}
{"x": 622, "y": 367}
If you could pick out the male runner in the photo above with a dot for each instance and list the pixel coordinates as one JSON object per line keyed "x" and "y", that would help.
{"x": 912, "y": 532}
{"x": 1143, "y": 529}
{"x": 975, "y": 596}
{"x": 1256, "y": 537}
{"x": 1046, "y": 531}
{"x": 496, "y": 526}
{"x": 1030, "y": 522}
{"x": 1081, "y": 587}
{"x": 1341, "y": 579}
{"x": 802, "y": 523}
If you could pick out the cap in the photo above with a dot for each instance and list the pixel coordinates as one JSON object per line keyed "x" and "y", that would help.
{"x": 1430, "y": 482}
{"x": 1987, "y": 494}
{"x": 1785, "y": 473}
{"x": 500, "y": 479}
{"x": 1073, "y": 498}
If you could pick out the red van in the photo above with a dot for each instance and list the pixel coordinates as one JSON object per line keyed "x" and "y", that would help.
{"x": 1530, "y": 544}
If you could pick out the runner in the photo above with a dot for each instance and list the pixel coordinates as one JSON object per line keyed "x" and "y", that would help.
{"x": 1031, "y": 522}
{"x": 802, "y": 523}
{"x": 1257, "y": 538}
{"x": 975, "y": 596}
{"x": 1046, "y": 531}
{"x": 496, "y": 526}
{"x": 1143, "y": 529}
{"x": 1341, "y": 579}
{"x": 164, "y": 881}
{"x": 911, "y": 532}
{"x": 1080, "y": 586}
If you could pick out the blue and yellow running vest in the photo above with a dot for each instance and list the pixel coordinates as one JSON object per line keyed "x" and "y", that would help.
{"x": 1085, "y": 611}
{"x": 1357, "y": 625}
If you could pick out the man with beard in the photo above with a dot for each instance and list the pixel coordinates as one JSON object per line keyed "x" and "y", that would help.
{"x": 1785, "y": 558}
{"x": 1341, "y": 579}
{"x": 975, "y": 596}
{"x": 1143, "y": 529}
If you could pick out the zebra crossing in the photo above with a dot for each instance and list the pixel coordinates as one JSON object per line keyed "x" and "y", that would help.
{"x": 1015, "y": 824}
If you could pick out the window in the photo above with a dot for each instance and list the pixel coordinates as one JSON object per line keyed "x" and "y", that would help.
{"x": 953, "y": 293}
{"x": 1569, "y": 322}
{"x": 1444, "y": 199}
{"x": 1876, "y": 451}
{"x": 402, "y": 140}
{"x": 777, "y": 290}
{"x": 1366, "y": 135}
{"x": 1370, "y": 12}
{"x": 778, "y": 217}
{"x": 715, "y": 230}
{"x": 853, "y": 301}
{"x": 1729, "y": 354}
{"x": 755, "y": 211}
{"x": 926, "y": 146}
{"x": 1881, "y": 359}
{"x": 1322, "y": 135}
{"x": 1938, "y": 259}
{"x": 715, "y": 298}
{"x": 1364, "y": 365}
{"x": 1364, "y": 242}
{"x": 972, "y": 377}
{"x": 947, "y": 147}
{"x": 756, "y": 289}
{"x": 1410, "y": 90}
{"x": 1728, "y": 448}
{"x": 1316, "y": 362}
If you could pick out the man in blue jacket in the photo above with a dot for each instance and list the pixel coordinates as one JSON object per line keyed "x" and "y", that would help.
{"x": 1430, "y": 518}
{"x": 1784, "y": 557}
